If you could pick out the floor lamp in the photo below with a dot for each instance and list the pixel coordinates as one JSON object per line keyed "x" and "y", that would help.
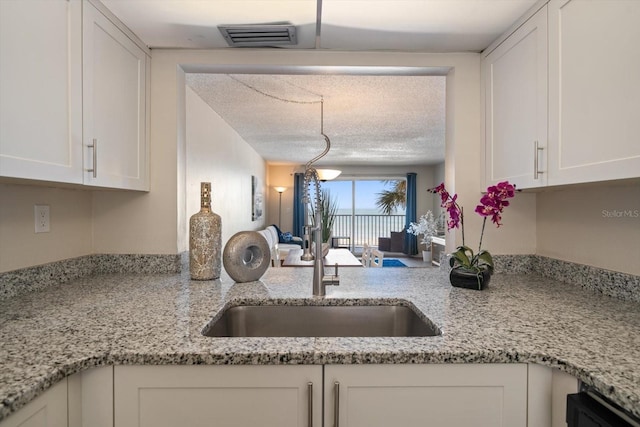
{"x": 280, "y": 190}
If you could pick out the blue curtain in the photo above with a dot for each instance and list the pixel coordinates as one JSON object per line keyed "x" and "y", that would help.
{"x": 298, "y": 206}
{"x": 411, "y": 241}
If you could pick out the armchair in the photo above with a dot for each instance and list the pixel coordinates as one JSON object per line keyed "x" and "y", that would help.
{"x": 395, "y": 243}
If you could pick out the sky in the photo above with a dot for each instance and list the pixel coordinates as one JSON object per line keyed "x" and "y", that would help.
{"x": 366, "y": 194}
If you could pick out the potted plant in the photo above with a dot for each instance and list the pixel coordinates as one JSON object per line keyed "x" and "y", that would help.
{"x": 328, "y": 211}
{"x": 469, "y": 269}
{"x": 427, "y": 227}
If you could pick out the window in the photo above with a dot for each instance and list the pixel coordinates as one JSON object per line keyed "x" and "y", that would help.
{"x": 358, "y": 215}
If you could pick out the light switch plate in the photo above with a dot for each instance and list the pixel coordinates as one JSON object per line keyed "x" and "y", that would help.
{"x": 42, "y": 218}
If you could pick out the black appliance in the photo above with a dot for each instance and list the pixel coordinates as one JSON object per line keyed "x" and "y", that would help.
{"x": 586, "y": 409}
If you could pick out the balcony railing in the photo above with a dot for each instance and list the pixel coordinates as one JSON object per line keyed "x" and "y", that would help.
{"x": 366, "y": 228}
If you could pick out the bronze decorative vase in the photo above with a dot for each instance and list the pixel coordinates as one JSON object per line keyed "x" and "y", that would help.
{"x": 205, "y": 239}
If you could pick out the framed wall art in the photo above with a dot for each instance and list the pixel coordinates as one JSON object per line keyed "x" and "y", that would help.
{"x": 256, "y": 198}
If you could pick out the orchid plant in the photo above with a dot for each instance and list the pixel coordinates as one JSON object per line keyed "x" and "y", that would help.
{"x": 491, "y": 205}
{"x": 427, "y": 226}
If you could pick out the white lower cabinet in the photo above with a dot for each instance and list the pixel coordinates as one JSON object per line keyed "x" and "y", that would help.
{"x": 221, "y": 396}
{"x": 91, "y": 398}
{"x": 561, "y": 385}
{"x": 46, "y": 410}
{"x": 482, "y": 395}
{"x": 354, "y": 395}
{"x": 547, "y": 396}
{"x": 438, "y": 395}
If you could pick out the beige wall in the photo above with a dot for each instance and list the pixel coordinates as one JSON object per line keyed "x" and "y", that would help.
{"x": 566, "y": 224}
{"x": 463, "y": 122}
{"x": 438, "y": 177}
{"x": 596, "y": 225}
{"x": 280, "y": 176}
{"x": 152, "y": 223}
{"x": 70, "y": 223}
{"x": 463, "y": 160}
{"x": 147, "y": 223}
{"x": 217, "y": 154}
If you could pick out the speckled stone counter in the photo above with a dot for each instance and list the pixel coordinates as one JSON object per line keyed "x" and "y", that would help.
{"x": 157, "y": 319}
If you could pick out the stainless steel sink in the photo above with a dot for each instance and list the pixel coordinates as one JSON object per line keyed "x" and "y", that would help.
{"x": 320, "y": 321}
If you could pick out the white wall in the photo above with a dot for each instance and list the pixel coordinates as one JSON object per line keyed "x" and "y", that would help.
{"x": 216, "y": 153}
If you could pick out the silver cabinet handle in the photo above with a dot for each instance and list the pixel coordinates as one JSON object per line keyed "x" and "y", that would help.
{"x": 336, "y": 404}
{"x": 94, "y": 145}
{"x": 536, "y": 155}
{"x": 310, "y": 391}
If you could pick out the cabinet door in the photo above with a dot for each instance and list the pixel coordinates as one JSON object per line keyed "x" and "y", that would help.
{"x": 594, "y": 90}
{"x": 481, "y": 395}
{"x": 114, "y": 93}
{"x": 515, "y": 82}
{"x": 47, "y": 410}
{"x": 224, "y": 396}
{"x": 41, "y": 90}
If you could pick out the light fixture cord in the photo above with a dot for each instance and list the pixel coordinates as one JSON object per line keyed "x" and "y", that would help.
{"x": 321, "y": 101}
{"x": 268, "y": 95}
{"x": 321, "y": 116}
{"x": 326, "y": 138}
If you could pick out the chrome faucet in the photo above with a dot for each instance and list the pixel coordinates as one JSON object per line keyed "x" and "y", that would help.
{"x": 313, "y": 236}
{"x": 320, "y": 281}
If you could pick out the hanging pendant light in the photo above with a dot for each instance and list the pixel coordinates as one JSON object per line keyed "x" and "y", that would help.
{"x": 328, "y": 174}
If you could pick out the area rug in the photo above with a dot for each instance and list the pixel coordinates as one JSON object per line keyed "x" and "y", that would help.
{"x": 392, "y": 263}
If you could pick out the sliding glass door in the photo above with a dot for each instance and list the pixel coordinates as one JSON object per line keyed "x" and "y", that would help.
{"x": 359, "y": 218}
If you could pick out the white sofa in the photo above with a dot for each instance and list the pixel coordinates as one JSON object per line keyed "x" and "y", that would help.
{"x": 278, "y": 250}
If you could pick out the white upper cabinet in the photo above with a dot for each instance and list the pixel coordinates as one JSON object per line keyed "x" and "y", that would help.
{"x": 69, "y": 76}
{"x": 580, "y": 124}
{"x": 594, "y": 90}
{"x": 114, "y": 105}
{"x": 515, "y": 105}
{"x": 41, "y": 90}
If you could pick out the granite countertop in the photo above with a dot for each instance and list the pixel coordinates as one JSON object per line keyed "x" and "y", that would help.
{"x": 157, "y": 319}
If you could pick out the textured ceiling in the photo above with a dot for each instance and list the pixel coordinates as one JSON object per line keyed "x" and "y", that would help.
{"x": 369, "y": 119}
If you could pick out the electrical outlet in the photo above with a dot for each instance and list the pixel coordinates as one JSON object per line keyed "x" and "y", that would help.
{"x": 42, "y": 218}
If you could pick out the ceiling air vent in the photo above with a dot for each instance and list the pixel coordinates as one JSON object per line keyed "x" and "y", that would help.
{"x": 259, "y": 35}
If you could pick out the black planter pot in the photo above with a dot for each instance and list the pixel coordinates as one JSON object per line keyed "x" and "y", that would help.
{"x": 469, "y": 279}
